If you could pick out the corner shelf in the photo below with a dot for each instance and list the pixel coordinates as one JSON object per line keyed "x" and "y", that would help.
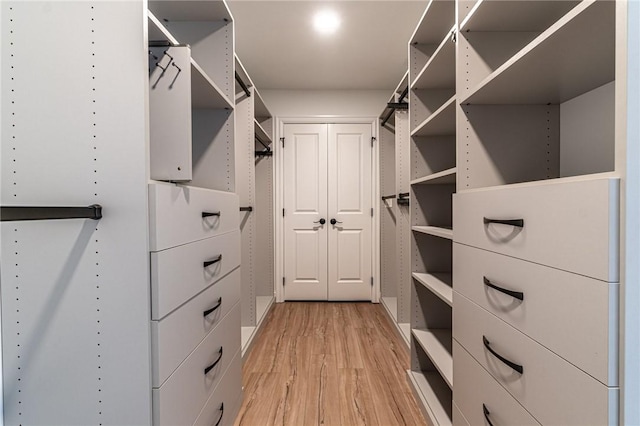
{"x": 441, "y": 122}
{"x": 435, "y": 231}
{"x": 444, "y": 177}
{"x": 438, "y": 283}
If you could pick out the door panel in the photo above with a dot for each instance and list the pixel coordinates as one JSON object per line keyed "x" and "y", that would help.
{"x": 305, "y": 201}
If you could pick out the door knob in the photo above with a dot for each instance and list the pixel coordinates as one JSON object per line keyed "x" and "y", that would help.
{"x": 333, "y": 221}
{"x": 321, "y": 221}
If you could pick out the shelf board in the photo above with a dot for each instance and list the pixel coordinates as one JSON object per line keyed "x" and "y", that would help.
{"x": 157, "y": 31}
{"x": 246, "y": 333}
{"x": 190, "y": 10}
{"x": 205, "y": 94}
{"x": 263, "y": 303}
{"x": 574, "y": 56}
{"x": 442, "y": 122}
{"x": 261, "y": 133}
{"x": 434, "y": 396}
{"x": 440, "y": 71}
{"x": 435, "y": 231}
{"x": 444, "y": 177}
{"x": 522, "y": 15}
{"x": 261, "y": 111}
{"x": 437, "y": 19}
{"x": 437, "y": 344}
{"x": 438, "y": 283}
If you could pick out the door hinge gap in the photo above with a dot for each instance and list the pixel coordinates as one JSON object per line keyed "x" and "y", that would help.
{"x": 373, "y": 139}
{"x": 371, "y": 281}
{"x": 371, "y": 211}
{"x": 282, "y": 140}
{"x": 282, "y": 281}
{"x": 282, "y": 212}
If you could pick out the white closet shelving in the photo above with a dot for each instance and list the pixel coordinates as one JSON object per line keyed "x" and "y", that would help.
{"x": 254, "y": 174}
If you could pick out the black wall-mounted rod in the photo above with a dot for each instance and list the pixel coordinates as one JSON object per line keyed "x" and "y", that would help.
{"x": 242, "y": 84}
{"x": 403, "y": 94}
{"x": 246, "y": 209}
{"x": 386, "y": 197}
{"x": 15, "y": 213}
{"x": 266, "y": 153}
{"x": 403, "y": 195}
{"x": 392, "y": 106}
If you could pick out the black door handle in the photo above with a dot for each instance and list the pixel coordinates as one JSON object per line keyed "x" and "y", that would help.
{"x": 222, "y": 414}
{"x": 486, "y": 412}
{"x": 209, "y": 368}
{"x": 211, "y": 262}
{"x": 209, "y": 311}
{"x": 333, "y": 221}
{"x": 322, "y": 221}
{"x": 515, "y": 294}
{"x": 519, "y": 223}
{"x": 209, "y": 214}
{"x": 511, "y": 364}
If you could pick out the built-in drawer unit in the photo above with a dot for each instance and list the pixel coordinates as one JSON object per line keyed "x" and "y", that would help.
{"x": 480, "y": 397}
{"x": 574, "y": 316}
{"x": 458, "y": 417}
{"x": 182, "y": 214}
{"x": 182, "y": 396}
{"x": 570, "y": 225}
{"x": 550, "y": 388}
{"x": 223, "y": 405}
{"x": 180, "y": 273}
{"x": 174, "y": 337}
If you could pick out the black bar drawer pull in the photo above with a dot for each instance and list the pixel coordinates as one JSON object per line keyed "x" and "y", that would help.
{"x": 15, "y": 213}
{"x": 209, "y": 368}
{"x": 486, "y": 412}
{"x": 518, "y": 223}
{"x": 222, "y": 414}
{"x": 246, "y": 209}
{"x": 211, "y": 262}
{"x": 209, "y": 311}
{"x": 209, "y": 214}
{"x": 515, "y": 294}
{"x": 511, "y": 364}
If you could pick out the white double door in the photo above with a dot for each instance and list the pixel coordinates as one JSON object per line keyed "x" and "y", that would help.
{"x": 327, "y": 178}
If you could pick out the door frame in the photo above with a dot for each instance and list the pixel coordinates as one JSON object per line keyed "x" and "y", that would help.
{"x": 278, "y": 170}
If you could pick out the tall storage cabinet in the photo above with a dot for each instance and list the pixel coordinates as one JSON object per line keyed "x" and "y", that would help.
{"x": 133, "y": 318}
{"x": 254, "y": 176}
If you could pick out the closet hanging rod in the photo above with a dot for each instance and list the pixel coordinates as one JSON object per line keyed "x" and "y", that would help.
{"x": 243, "y": 85}
{"x": 246, "y": 209}
{"x": 265, "y": 153}
{"x": 386, "y": 197}
{"x": 392, "y": 106}
{"x": 403, "y": 195}
{"x": 15, "y": 213}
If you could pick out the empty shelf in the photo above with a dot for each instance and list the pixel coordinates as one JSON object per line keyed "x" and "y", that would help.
{"x": 205, "y": 94}
{"x": 261, "y": 133}
{"x": 434, "y": 395}
{"x": 437, "y": 344}
{"x": 444, "y": 177}
{"x": 440, "y": 71}
{"x": 435, "y": 22}
{"x": 438, "y": 283}
{"x": 441, "y": 122}
{"x": 435, "y": 231}
{"x": 157, "y": 31}
{"x": 190, "y": 10}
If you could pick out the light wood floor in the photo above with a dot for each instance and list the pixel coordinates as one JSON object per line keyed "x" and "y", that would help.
{"x": 327, "y": 364}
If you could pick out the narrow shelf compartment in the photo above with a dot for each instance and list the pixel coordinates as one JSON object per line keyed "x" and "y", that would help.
{"x": 261, "y": 133}
{"x": 391, "y": 303}
{"x": 263, "y": 303}
{"x": 440, "y": 71}
{"x": 574, "y": 56}
{"x": 435, "y": 231}
{"x": 438, "y": 283}
{"x": 436, "y": 20}
{"x": 522, "y": 15}
{"x": 205, "y": 94}
{"x": 435, "y": 396}
{"x": 437, "y": 344}
{"x": 444, "y": 177}
{"x": 441, "y": 123}
{"x": 190, "y": 10}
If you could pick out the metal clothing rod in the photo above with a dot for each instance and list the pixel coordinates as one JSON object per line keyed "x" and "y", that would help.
{"x": 15, "y": 213}
{"x": 392, "y": 106}
{"x": 246, "y": 209}
{"x": 266, "y": 153}
{"x": 386, "y": 197}
{"x": 403, "y": 195}
{"x": 242, "y": 84}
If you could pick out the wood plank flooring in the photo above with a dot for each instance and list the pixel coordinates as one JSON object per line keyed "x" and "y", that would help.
{"x": 319, "y": 363}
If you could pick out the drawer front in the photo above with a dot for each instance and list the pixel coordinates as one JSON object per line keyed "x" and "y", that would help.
{"x": 174, "y": 337}
{"x": 176, "y": 214}
{"x": 224, "y": 404}
{"x": 476, "y": 390}
{"x": 568, "y": 225}
{"x": 551, "y": 389}
{"x": 181, "y": 398}
{"x": 587, "y": 337}
{"x": 180, "y": 273}
{"x": 458, "y": 417}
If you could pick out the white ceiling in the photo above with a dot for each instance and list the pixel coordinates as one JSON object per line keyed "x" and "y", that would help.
{"x": 278, "y": 46}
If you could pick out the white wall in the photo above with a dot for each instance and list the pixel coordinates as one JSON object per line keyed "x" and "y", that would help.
{"x": 296, "y": 103}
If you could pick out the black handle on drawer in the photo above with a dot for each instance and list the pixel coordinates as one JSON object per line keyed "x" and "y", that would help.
{"x": 222, "y": 414}
{"x": 211, "y": 262}
{"x": 208, "y": 311}
{"x": 519, "y": 223}
{"x": 209, "y": 214}
{"x": 515, "y": 294}
{"x": 209, "y": 368}
{"x": 486, "y": 412}
{"x": 511, "y": 364}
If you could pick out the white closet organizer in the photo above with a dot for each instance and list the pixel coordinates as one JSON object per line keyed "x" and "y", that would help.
{"x": 133, "y": 318}
{"x": 395, "y": 229}
{"x": 536, "y": 216}
{"x": 433, "y": 175}
{"x": 254, "y": 185}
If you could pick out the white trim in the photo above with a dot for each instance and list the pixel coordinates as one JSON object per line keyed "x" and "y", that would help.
{"x": 278, "y": 166}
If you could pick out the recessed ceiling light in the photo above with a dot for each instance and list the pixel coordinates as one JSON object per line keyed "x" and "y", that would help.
{"x": 326, "y": 22}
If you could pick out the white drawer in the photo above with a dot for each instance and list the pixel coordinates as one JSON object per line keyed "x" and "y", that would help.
{"x": 569, "y": 225}
{"x": 574, "y": 316}
{"x": 458, "y": 417}
{"x": 180, "y": 273}
{"x": 552, "y": 390}
{"x": 176, "y": 214}
{"x": 174, "y": 337}
{"x": 476, "y": 391}
{"x": 181, "y": 398}
{"x": 224, "y": 404}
